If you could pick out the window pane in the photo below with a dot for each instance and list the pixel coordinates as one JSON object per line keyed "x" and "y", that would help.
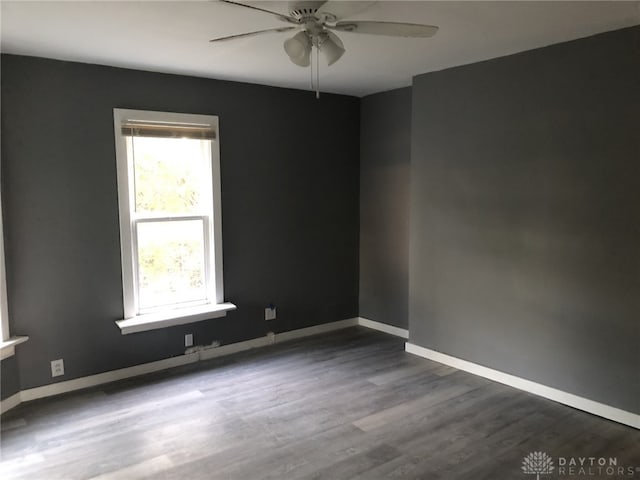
{"x": 171, "y": 174}
{"x": 171, "y": 264}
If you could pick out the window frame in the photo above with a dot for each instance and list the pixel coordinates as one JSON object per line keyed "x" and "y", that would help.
{"x": 4, "y": 309}
{"x": 134, "y": 320}
{"x": 7, "y": 342}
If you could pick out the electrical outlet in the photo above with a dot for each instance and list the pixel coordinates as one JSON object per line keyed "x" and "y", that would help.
{"x": 270, "y": 313}
{"x": 57, "y": 367}
{"x": 188, "y": 340}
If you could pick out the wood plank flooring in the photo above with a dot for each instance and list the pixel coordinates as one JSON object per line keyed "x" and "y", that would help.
{"x": 346, "y": 405}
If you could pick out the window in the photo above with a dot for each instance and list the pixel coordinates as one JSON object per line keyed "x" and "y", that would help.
{"x": 7, "y": 343}
{"x": 170, "y": 218}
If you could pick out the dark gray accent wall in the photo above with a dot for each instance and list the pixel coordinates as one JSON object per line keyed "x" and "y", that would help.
{"x": 525, "y": 214}
{"x": 289, "y": 198}
{"x": 9, "y": 381}
{"x": 385, "y": 152}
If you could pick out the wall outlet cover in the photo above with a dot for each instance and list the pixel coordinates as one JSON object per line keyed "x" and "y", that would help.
{"x": 57, "y": 367}
{"x": 188, "y": 340}
{"x": 270, "y": 313}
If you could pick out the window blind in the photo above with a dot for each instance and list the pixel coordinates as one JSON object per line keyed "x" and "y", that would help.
{"x": 163, "y": 130}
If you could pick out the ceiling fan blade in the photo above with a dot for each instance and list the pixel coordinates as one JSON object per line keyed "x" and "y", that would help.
{"x": 252, "y": 34}
{"x": 342, "y": 9}
{"x": 279, "y": 16}
{"x": 391, "y": 29}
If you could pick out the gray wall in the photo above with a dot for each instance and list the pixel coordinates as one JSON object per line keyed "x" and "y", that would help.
{"x": 9, "y": 380}
{"x": 290, "y": 210}
{"x": 525, "y": 207}
{"x": 385, "y": 152}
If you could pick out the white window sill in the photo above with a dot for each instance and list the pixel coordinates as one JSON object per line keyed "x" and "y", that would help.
{"x": 169, "y": 318}
{"x": 7, "y": 348}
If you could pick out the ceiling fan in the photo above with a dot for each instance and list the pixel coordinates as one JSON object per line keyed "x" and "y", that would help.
{"x": 316, "y": 22}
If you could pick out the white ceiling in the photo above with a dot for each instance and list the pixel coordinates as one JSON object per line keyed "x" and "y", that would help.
{"x": 173, "y": 37}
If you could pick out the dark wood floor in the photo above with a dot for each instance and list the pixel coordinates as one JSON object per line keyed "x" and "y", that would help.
{"x": 347, "y": 405}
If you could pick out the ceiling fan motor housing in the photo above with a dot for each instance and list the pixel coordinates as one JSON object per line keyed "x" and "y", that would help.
{"x": 305, "y": 10}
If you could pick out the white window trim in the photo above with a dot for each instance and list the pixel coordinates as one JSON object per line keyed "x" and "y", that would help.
{"x": 169, "y": 318}
{"x": 132, "y": 322}
{"x": 7, "y": 343}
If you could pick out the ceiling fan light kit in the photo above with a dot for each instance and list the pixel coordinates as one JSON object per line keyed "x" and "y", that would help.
{"x": 331, "y": 46}
{"x": 317, "y": 19}
{"x": 298, "y": 48}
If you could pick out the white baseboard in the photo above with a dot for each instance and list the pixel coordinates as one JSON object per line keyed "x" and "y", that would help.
{"x": 315, "y": 330}
{"x": 214, "y": 352}
{"x": 9, "y": 403}
{"x": 383, "y": 327}
{"x": 196, "y": 355}
{"x": 106, "y": 377}
{"x": 272, "y": 338}
{"x": 581, "y": 403}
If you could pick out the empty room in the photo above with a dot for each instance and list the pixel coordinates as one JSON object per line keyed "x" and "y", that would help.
{"x": 320, "y": 240}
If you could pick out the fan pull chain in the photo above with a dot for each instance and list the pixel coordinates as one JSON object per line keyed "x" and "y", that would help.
{"x": 315, "y": 87}
{"x": 311, "y": 71}
{"x": 317, "y": 73}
